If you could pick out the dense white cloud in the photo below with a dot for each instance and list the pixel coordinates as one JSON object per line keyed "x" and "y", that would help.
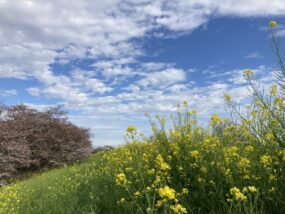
{"x": 36, "y": 34}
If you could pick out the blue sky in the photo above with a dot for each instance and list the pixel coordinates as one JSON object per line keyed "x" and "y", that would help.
{"x": 107, "y": 63}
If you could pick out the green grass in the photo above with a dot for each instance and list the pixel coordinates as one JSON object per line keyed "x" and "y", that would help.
{"x": 56, "y": 191}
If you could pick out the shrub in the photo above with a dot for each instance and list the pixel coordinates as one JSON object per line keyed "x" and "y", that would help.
{"x": 32, "y": 139}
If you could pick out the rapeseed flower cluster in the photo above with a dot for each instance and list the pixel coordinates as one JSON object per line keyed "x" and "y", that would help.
{"x": 167, "y": 193}
{"x": 161, "y": 164}
{"x": 178, "y": 208}
{"x": 121, "y": 179}
{"x": 237, "y": 194}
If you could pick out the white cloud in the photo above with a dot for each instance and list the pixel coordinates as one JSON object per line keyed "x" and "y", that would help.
{"x": 85, "y": 80}
{"x": 254, "y": 55}
{"x": 33, "y": 91}
{"x": 10, "y": 71}
{"x": 251, "y": 8}
{"x": 281, "y": 32}
{"x": 176, "y": 88}
{"x": 163, "y": 78}
{"x": 11, "y": 92}
{"x": 39, "y": 107}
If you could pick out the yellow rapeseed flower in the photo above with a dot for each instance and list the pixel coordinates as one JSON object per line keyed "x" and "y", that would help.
{"x": 215, "y": 119}
{"x": 159, "y": 203}
{"x": 249, "y": 149}
{"x": 161, "y": 164}
{"x": 178, "y": 208}
{"x": 244, "y": 163}
{"x": 121, "y": 179}
{"x": 227, "y": 97}
{"x": 131, "y": 129}
{"x": 195, "y": 154}
{"x": 273, "y": 24}
{"x": 148, "y": 210}
{"x": 250, "y": 189}
{"x": 274, "y": 89}
{"x": 151, "y": 171}
{"x": 266, "y": 160}
{"x": 167, "y": 192}
{"x": 247, "y": 73}
{"x": 185, "y": 191}
{"x": 237, "y": 194}
{"x": 137, "y": 194}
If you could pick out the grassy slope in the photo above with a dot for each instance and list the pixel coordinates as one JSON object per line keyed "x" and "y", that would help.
{"x": 55, "y": 191}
